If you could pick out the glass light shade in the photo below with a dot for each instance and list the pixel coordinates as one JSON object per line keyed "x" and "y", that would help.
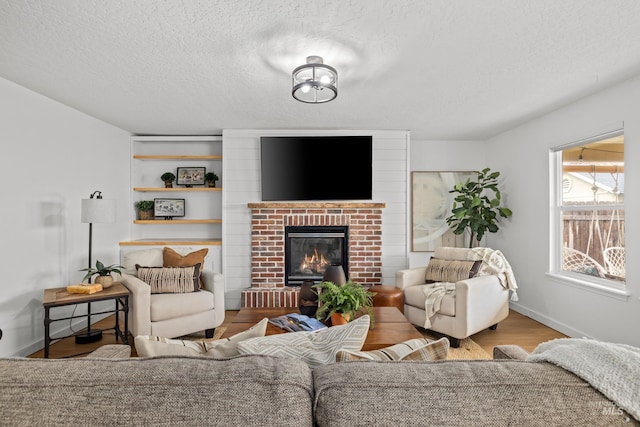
{"x": 314, "y": 82}
{"x": 98, "y": 210}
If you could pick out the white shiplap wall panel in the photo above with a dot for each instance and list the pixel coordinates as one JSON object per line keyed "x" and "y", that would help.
{"x": 241, "y": 168}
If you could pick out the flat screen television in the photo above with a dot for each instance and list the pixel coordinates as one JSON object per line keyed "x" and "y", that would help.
{"x": 316, "y": 167}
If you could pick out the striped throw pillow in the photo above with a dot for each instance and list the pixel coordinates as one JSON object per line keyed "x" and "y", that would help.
{"x": 174, "y": 280}
{"x": 315, "y": 348}
{"x": 415, "y": 349}
{"x": 452, "y": 271}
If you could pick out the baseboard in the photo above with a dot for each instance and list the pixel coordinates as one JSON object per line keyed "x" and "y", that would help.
{"x": 548, "y": 321}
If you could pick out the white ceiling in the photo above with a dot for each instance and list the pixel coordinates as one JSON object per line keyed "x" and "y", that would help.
{"x": 443, "y": 69}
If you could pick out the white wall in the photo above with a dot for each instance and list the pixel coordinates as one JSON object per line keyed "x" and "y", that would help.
{"x": 522, "y": 155}
{"x": 241, "y": 168}
{"x": 52, "y": 157}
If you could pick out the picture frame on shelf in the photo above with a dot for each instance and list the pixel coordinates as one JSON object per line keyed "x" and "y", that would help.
{"x": 190, "y": 176}
{"x": 168, "y": 208}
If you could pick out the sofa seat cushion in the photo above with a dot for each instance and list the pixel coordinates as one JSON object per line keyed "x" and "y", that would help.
{"x": 415, "y": 297}
{"x": 171, "y": 306}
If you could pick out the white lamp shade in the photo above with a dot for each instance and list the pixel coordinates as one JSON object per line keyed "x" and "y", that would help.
{"x": 98, "y": 210}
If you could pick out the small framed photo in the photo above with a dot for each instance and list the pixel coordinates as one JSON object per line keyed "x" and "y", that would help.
{"x": 168, "y": 208}
{"x": 190, "y": 176}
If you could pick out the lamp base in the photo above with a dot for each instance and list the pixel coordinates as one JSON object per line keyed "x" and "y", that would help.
{"x": 87, "y": 337}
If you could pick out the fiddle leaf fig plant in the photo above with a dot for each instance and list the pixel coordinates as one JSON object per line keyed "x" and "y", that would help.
{"x": 477, "y": 206}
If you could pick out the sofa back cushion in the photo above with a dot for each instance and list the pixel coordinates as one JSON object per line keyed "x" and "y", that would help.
{"x": 479, "y": 392}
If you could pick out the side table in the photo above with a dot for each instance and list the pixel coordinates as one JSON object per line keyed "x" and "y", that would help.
{"x": 58, "y": 297}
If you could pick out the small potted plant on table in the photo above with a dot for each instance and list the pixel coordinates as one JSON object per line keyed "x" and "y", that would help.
{"x": 104, "y": 273}
{"x": 168, "y": 178}
{"x": 210, "y": 178}
{"x": 342, "y": 303}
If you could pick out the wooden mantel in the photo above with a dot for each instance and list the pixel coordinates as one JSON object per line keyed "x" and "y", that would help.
{"x": 316, "y": 205}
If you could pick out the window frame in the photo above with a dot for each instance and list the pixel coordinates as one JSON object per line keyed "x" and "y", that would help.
{"x": 607, "y": 287}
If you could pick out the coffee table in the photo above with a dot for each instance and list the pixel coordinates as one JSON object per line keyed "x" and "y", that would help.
{"x": 390, "y": 327}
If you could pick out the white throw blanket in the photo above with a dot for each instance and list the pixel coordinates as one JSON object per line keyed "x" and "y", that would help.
{"x": 494, "y": 262}
{"x": 435, "y": 293}
{"x": 612, "y": 369}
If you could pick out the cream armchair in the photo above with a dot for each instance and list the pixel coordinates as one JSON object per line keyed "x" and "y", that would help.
{"x": 469, "y": 306}
{"x": 171, "y": 315}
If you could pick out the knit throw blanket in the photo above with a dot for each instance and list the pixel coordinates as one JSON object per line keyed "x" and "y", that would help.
{"x": 612, "y": 369}
{"x": 494, "y": 262}
{"x": 434, "y": 295}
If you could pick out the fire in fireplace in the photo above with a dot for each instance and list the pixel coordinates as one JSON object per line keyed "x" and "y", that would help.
{"x": 309, "y": 250}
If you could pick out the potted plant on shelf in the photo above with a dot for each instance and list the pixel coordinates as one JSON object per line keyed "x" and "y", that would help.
{"x": 145, "y": 209}
{"x": 475, "y": 209}
{"x": 342, "y": 303}
{"x": 210, "y": 178}
{"x": 104, "y": 273}
{"x": 168, "y": 178}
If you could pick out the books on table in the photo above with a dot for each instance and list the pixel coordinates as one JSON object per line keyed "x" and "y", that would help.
{"x": 295, "y": 322}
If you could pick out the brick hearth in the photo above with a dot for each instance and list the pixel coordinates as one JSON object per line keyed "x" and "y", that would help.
{"x": 268, "y": 221}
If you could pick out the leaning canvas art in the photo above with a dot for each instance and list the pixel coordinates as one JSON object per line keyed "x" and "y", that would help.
{"x": 431, "y": 204}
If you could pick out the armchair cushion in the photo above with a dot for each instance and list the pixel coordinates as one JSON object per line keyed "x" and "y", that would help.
{"x": 440, "y": 270}
{"x": 170, "y": 279}
{"x": 146, "y": 257}
{"x": 173, "y": 306}
{"x": 415, "y": 296}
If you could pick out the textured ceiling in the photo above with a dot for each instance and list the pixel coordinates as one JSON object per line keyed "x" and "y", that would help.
{"x": 446, "y": 69}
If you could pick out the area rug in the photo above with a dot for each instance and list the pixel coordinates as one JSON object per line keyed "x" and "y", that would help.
{"x": 468, "y": 350}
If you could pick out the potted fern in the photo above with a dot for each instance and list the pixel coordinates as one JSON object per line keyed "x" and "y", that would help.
{"x": 475, "y": 208}
{"x": 342, "y": 303}
{"x": 104, "y": 273}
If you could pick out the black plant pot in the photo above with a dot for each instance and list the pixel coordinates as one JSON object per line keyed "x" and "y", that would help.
{"x": 308, "y": 299}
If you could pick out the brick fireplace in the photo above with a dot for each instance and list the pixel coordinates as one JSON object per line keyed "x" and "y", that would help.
{"x": 268, "y": 221}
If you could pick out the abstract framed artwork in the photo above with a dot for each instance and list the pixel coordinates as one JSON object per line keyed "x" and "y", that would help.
{"x": 431, "y": 204}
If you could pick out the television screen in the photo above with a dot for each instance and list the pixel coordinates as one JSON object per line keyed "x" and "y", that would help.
{"x": 316, "y": 167}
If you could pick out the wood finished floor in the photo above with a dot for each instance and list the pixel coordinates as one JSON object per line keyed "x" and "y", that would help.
{"x": 516, "y": 329}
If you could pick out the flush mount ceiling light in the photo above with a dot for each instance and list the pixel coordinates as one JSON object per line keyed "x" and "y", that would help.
{"x": 314, "y": 82}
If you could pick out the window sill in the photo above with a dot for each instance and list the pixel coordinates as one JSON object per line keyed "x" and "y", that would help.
{"x": 601, "y": 289}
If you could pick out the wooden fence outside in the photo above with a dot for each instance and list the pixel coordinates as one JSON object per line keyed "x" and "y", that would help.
{"x": 592, "y": 234}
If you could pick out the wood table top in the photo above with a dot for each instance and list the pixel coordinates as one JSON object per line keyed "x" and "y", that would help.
{"x": 54, "y": 297}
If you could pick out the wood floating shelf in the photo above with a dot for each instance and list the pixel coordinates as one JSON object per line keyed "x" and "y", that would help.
{"x": 177, "y": 221}
{"x": 169, "y": 242}
{"x": 164, "y": 157}
{"x": 173, "y": 189}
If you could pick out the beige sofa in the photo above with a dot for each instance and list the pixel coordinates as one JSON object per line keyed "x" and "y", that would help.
{"x": 261, "y": 390}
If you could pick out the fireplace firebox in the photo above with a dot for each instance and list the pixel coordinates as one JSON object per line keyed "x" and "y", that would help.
{"x": 309, "y": 250}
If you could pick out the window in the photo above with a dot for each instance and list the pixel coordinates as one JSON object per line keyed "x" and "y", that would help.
{"x": 588, "y": 238}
